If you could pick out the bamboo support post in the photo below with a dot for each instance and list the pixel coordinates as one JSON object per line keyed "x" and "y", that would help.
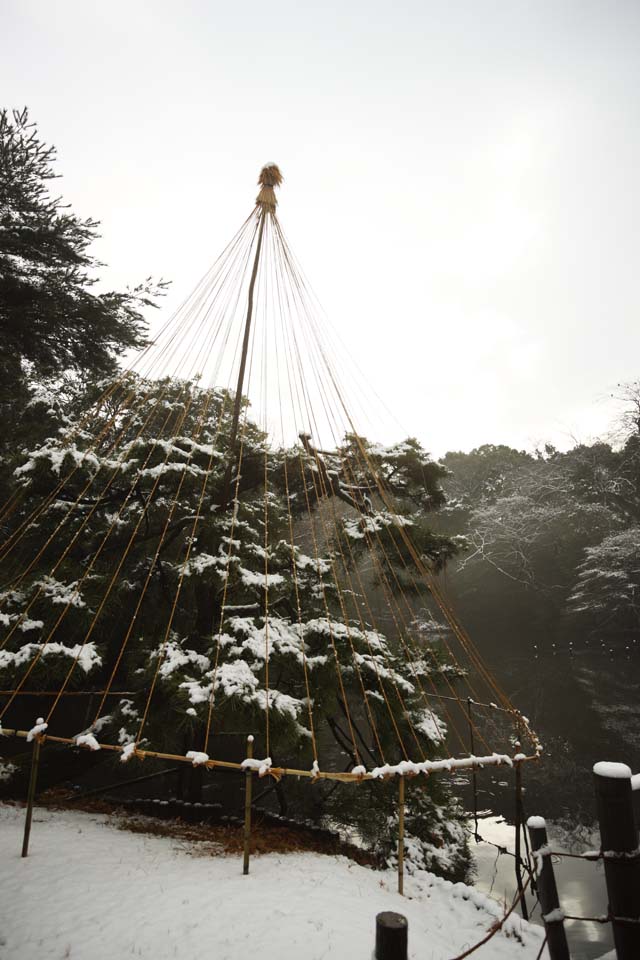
{"x": 401, "y": 836}
{"x": 33, "y": 779}
{"x": 619, "y": 843}
{"x": 391, "y": 936}
{"x": 247, "y": 810}
{"x": 548, "y": 892}
{"x": 518, "y": 851}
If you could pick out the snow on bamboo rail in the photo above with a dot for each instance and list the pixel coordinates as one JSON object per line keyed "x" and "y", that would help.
{"x": 405, "y": 768}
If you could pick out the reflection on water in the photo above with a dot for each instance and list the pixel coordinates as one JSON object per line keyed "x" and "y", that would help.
{"x": 584, "y": 706}
{"x": 581, "y": 885}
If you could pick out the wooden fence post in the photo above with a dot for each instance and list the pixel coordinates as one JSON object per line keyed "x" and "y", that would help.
{"x": 619, "y": 844}
{"x": 519, "y": 827}
{"x": 391, "y": 936}
{"x": 548, "y": 892}
{"x": 474, "y": 776}
{"x": 401, "y": 836}
{"x": 247, "y": 809}
{"x": 35, "y": 758}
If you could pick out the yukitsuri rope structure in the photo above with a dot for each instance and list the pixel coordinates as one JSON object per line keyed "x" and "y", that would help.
{"x": 251, "y": 325}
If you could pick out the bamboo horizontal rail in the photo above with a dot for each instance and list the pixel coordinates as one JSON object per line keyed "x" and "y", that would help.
{"x": 450, "y": 765}
{"x": 68, "y": 693}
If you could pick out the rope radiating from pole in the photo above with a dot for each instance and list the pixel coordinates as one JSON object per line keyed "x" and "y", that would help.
{"x": 252, "y": 312}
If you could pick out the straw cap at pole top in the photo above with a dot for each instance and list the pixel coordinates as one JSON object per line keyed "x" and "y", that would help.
{"x": 269, "y": 178}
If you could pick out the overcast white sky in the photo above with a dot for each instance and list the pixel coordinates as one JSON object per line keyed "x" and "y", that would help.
{"x": 461, "y": 179}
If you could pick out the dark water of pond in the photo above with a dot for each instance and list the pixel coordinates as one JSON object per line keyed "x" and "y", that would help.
{"x": 581, "y": 885}
{"x": 585, "y": 708}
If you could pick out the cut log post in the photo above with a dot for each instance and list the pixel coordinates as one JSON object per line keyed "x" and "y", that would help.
{"x": 247, "y": 810}
{"x": 391, "y": 936}
{"x": 33, "y": 779}
{"x": 619, "y": 845}
{"x": 552, "y": 915}
{"x": 401, "y": 836}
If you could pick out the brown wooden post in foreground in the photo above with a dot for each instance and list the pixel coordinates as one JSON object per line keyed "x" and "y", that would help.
{"x": 619, "y": 845}
{"x": 548, "y": 891}
{"x": 391, "y": 936}
{"x": 401, "y": 836}
{"x": 35, "y": 758}
{"x": 247, "y": 809}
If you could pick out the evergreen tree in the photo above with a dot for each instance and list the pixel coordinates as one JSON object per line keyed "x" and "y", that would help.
{"x": 607, "y": 591}
{"x": 53, "y": 322}
{"x": 159, "y": 580}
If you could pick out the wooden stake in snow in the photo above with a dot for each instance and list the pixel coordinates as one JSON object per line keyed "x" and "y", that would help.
{"x": 247, "y": 809}
{"x": 401, "y": 836}
{"x": 33, "y": 779}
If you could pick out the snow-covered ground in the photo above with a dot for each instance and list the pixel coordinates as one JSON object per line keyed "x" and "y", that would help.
{"x": 89, "y": 891}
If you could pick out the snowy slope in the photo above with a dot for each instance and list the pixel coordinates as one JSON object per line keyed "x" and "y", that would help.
{"x": 89, "y": 891}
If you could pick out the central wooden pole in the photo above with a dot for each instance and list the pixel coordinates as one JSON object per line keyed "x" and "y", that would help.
{"x": 237, "y": 405}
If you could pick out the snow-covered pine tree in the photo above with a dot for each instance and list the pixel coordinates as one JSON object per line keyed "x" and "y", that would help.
{"x": 53, "y": 321}
{"x": 152, "y": 576}
{"x": 607, "y": 592}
